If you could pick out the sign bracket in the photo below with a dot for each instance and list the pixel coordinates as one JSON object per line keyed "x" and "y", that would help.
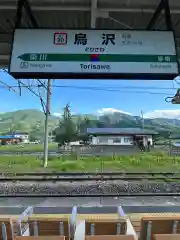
{"x": 163, "y": 5}
{"x": 24, "y": 4}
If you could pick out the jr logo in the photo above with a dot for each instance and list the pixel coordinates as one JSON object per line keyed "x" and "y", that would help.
{"x": 24, "y": 65}
{"x": 60, "y": 38}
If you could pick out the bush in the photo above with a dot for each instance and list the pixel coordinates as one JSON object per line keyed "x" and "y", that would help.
{"x": 143, "y": 162}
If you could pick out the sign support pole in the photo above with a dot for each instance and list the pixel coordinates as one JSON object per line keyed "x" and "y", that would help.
{"x": 155, "y": 15}
{"x": 47, "y": 113}
{"x": 163, "y": 5}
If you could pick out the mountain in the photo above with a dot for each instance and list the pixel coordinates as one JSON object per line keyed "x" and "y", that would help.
{"x": 25, "y": 120}
{"x": 124, "y": 120}
{"x": 32, "y": 121}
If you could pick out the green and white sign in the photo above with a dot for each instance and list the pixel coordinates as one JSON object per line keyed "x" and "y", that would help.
{"x": 93, "y": 54}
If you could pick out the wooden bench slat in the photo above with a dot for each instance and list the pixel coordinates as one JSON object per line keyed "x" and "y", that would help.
{"x": 160, "y": 225}
{"x": 148, "y": 218}
{"x": 105, "y": 237}
{"x": 105, "y": 227}
{"x": 47, "y": 219}
{"x": 9, "y": 228}
{"x": 40, "y": 238}
{"x": 166, "y": 237}
{"x": 49, "y": 226}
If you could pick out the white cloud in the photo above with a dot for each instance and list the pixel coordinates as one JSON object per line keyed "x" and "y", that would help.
{"x": 110, "y": 111}
{"x": 171, "y": 114}
{"x": 57, "y": 114}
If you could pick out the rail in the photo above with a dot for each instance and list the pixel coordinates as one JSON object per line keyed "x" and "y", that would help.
{"x": 107, "y": 176}
{"x": 81, "y": 179}
{"x": 86, "y": 173}
{"x": 70, "y": 177}
{"x": 67, "y": 195}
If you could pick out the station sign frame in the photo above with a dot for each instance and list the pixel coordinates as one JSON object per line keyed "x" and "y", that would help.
{"x": 93, "y": 54}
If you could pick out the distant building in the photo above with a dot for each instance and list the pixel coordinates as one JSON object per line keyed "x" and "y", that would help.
{"x": 22, "y": 136}
{"x": 120, "y": 136}
{"x": 175, "y": 140}
{"x": 8, "y": 139}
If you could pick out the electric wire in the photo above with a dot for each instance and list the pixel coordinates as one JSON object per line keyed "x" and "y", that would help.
{"x": 120, "y": 89}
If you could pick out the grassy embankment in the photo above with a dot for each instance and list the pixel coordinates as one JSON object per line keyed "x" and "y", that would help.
{"x": 27, "y": 148}
{"x": 144, "y": 162}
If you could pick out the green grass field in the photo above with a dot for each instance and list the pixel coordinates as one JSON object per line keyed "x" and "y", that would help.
{"x": 27, "y": 147}
{"x": 144, "y": 162}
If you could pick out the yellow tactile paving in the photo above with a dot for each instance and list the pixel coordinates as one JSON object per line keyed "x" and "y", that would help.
{"x": 133, "y": 216}
{"x": 14, "y": 217}
{"x": 47, "y": 216}
{"x": 97, "y": 216}
{"x": 51, "y": 215}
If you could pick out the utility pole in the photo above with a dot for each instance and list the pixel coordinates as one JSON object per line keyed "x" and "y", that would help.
{"x": 142, "y": 116}
{"x": 47, "y": 113}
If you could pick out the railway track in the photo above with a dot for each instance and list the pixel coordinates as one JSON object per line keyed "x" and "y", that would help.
{"x": 108, "y": 176}
{"x": 88, "y": 173}
{"x": 78, "y": 179}
{"x": 93, "y": 195}
{"x": 90, "y": 184}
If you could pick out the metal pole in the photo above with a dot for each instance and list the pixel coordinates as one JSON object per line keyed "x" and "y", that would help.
{"x": 46, "y": 123}
{"x": 168, "y": 15}
{"x": 170, "y": 150}
{"x": 142, "y": 116}
{"x": 102, "y": 179}
{"x": 155, "y": 15}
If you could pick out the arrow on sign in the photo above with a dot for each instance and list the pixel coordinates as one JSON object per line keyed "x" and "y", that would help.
{"x": 34, "y": 57}
{"x": 56, "y": 57}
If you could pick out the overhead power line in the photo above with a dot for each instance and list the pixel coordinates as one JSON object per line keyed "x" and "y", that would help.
{"x": 103, "y": 87}
{"x": 21, "y": 85}
{"x": 117, "y": 89}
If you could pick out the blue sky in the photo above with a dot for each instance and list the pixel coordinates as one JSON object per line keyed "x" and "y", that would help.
{"x": 124, "y": 95}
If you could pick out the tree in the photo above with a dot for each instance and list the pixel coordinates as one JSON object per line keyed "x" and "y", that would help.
{"x": 12, "y": 128}
{"x": 78, "y": 124}
{"x": 84, "y": 124}
{"x": 66, "y": 131}
{"x": 37, "y": 133}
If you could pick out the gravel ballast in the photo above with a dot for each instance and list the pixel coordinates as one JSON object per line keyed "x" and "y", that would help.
{"x": 67, "y": 188}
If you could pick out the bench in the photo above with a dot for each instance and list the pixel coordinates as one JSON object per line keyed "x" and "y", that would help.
{"x": 166, "y": 236}
{"x": 6, "y": 232}
{"x": 49, "y": 226}
{"x": 151, "y": 226}
{"x": 105, "y": 227}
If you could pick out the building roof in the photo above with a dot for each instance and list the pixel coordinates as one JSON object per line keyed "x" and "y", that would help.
{"x": 131, "y": 131}
{"x": 81, "y": 14}
{"x": 8, "y": 137}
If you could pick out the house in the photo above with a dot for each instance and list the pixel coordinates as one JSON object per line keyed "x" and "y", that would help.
{"x": 120, "y": 136}
{"x": 22, "y": 136}
{"x": 8, "y": 139}
{"x": 174, "y": 140}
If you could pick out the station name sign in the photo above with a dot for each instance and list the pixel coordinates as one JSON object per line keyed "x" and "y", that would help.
{"x": 91, "y": 54}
